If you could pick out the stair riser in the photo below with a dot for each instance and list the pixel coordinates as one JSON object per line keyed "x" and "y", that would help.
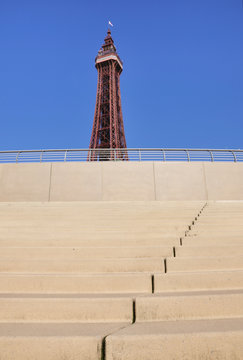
{"x": 208, "y": 251}
{"x": 81, "y": 253}
{"x": 204, "y": 264}
{"x": 89, "y": 243}
{"x": 77, "y": 267}
{"x": 93, "y": 284}
{"x": 66, "y": 310}
{"x": 189, "y": 307}
{"x": 198, "y": 281}
{"x": 50, "y": 348}
{"x": 205, "y": 346}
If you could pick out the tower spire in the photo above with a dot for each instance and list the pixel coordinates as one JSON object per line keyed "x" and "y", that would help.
{"x": 108, "y": 128}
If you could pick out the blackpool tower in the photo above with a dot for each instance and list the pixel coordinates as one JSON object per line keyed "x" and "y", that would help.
{"x": 108, "y": 128}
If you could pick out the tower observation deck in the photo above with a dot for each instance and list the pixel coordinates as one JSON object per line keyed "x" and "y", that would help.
{"x": 108, "y": 128}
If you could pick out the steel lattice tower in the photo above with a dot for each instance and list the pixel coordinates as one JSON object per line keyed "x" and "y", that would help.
{"x": 108, "y": 129}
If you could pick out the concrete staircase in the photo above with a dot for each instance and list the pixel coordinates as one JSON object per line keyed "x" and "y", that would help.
{"x": 121, "y": 280}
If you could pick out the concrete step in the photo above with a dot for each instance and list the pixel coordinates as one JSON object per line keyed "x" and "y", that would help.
{"x": 212, "y": 240}
{"x": 217, "y": 231}
{"x": 102, "y": 223}
{"x": 73, "y": 253}
{"x": 209, "y": 251}
{"x": 219, "y": 219}
{"x": 82, "y": 266}
{"x": 190, "y": 305}
{"x": 204, "y": 263}
{"x": 196, "y": 281}
{"x": 84, "y": 237}
{"x": 218, "y": 222}
{"x": 169, "y": 225}
{"x": 83, "y": 222}
{"x": 76, "y": 284}
{"x": 177, "y": 340}
{"x": 54, "y": 341}
{"x": 110, "y": 308}
{"x": 70, "y": 242}
{"x": 61, "y": 308}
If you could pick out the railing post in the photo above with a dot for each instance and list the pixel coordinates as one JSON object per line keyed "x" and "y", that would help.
{"x": 188, "y": 156}
{"x": 211, "y": 154}
{"x": 17, "y": 156}
{"x": 65, "y": 156}
{"x": 163, "y": 154}
{"x": 41, "y": 156}
{"x": 235, "y": 159}
{"x": 139, "y": 154}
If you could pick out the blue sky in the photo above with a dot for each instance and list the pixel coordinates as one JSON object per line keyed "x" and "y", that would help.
{"x": 182, "y": 84}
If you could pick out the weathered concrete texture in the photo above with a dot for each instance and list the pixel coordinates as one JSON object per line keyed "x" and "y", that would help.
{"x": 75, "y": 284}
{"x": 25, "y": 182}
{"x": 209, "y": 251}
{"x": 177, "y": 340}
{"x": 75, "y": 253}
{"x": 125, "y": 181}
{"x": 66, "y": 309}
{"x": 128, "y": 181}
{"x": 205, "y": 263}
{"x": 224, "y": 181}
{"x": 54, "y": 341}
{"x": 122, "y": 280}
{"x": 84, "y": 266}
{"x": 179, "y": 181}
{"x": 204, "y": 280}
{"x": 190, "y": 305}
{"x": 82, "y": 181}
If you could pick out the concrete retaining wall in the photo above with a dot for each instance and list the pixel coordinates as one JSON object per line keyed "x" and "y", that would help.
{"x": 121, "y": 181}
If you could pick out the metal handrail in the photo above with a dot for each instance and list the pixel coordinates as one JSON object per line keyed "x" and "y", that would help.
{"x": 131, "y": 154}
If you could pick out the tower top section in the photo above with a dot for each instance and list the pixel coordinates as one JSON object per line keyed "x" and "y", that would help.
{"x": 108, "y": 52}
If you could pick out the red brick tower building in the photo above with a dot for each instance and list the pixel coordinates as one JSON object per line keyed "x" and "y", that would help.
{"x": 108, "y": 129}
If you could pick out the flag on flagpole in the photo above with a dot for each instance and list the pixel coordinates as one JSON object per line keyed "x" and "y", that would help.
{"x": 110, "y": 23}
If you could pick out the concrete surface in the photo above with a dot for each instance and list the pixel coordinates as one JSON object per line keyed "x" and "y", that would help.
{"x": 125, "y": 181}
{"x": 177, "y": 340}
{"x": 121, "y": 279}
{"x": 25, "y": 182}
{"x": 204, "y": 280}
{"x": 54, "y": 341}
{"x": 75, "y": 284}
{"x": 63, "y": 309}
{"x": 189, "y": 306}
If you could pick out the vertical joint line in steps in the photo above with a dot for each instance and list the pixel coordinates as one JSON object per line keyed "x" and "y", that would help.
{"x": 174, "y": 251}
{"x": 103, "y": 348}
{"x": 165, "y": 265}
{"x": 133, "y": 311}
{"x": 103, "y": 342}
{"x": 193, "y": 222}
{"x": 195, "y": 219}
{"x": 152, "y": 283}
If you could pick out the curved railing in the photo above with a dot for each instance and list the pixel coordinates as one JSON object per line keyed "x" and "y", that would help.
{"x": 62, "y": 155}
